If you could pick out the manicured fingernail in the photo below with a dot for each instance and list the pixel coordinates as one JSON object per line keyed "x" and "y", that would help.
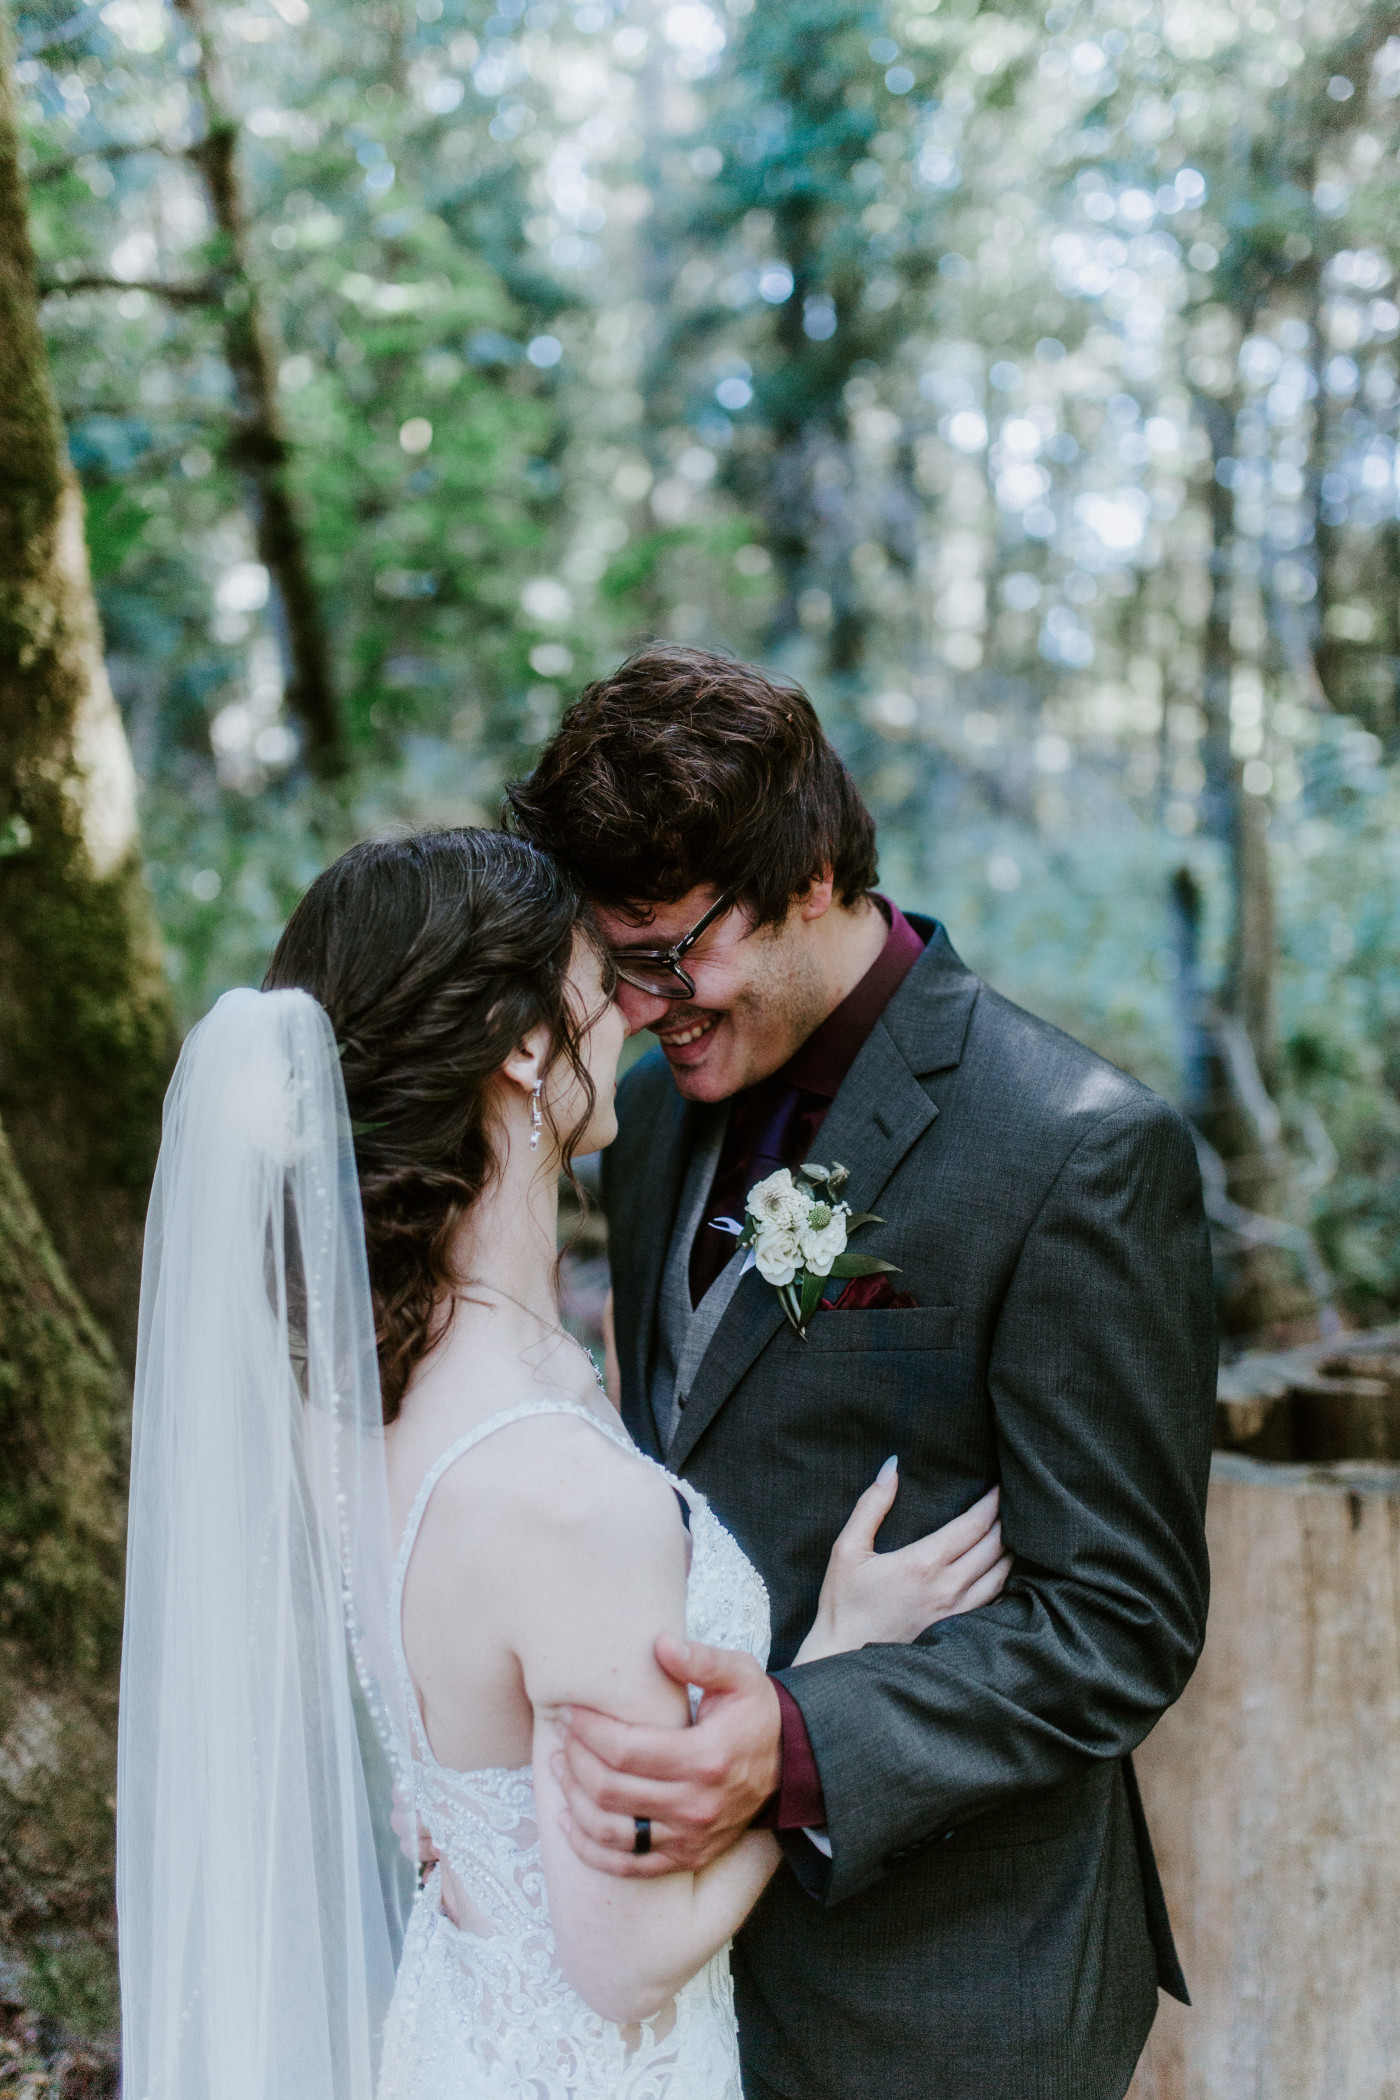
{"x": 887, "y": 1471}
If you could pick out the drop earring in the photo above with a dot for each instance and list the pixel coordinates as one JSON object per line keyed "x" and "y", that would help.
{"x": 536, "y": 1116}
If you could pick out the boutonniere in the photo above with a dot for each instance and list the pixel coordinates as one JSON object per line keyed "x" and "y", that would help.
{"x": 796, "y": 1231}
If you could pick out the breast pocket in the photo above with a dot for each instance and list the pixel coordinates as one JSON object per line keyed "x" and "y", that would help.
{"x": 898, "y": 1380}
{"x": 884, "y": 1328}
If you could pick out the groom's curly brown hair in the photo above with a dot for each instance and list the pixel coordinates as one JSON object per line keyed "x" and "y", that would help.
{"x": 684, "y": 768}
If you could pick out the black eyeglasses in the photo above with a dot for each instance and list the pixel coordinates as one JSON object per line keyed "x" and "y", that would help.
{"x": 658, "y": 970}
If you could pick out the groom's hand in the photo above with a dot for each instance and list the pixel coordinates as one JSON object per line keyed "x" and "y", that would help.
{"x": 700, "y": 1787}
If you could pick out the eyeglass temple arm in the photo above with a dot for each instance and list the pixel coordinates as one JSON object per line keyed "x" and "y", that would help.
{"x": 686, "y": 942}
{"x": 684, "y": 945}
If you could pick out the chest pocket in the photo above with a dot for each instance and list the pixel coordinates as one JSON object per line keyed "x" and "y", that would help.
{"x": 895, "y": 1380}
{"x": 884, "y": 1328}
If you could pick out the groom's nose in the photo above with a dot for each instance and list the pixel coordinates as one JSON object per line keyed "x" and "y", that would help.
{"x": 640, "y": 1009}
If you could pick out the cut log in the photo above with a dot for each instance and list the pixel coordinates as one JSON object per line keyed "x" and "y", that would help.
{"x": 1273, "y": 1794}
{"x": 1328, "y": 1400}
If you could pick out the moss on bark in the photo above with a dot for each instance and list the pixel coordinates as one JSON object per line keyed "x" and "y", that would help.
{"x": 86, "y": 1035}
{"x": 63, "y": 1411}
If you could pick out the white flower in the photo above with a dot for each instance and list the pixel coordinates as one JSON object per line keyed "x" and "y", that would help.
{"x": 777, "y": 1204}
{"x": 820, "y": 1244}
{"x": 778, "y": 1254}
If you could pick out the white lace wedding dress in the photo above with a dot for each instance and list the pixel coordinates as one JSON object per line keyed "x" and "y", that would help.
{"x": 488, "y": 2015}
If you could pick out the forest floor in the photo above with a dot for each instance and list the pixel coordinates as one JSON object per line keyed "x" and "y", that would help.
{"x": 33, "y": 2066}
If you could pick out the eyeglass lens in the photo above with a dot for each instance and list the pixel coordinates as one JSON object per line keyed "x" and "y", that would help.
{"x": 659, "y": 972}
{"x": 662, "y": 979}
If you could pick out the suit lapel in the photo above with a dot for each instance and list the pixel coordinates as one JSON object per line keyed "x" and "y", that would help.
{"x": 880, "y": 1111}
{"x": 665, "y": 1158}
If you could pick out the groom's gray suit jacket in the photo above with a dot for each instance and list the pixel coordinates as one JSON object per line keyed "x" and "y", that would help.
{"x": 990, "y": 1926}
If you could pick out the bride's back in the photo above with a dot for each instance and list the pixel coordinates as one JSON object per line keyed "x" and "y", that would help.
{"x": 516, "y": 1531}
{"x": 471, "y": 1000}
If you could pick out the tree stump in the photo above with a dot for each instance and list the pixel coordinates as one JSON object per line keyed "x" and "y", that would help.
{"x": 1273, "y": 1794}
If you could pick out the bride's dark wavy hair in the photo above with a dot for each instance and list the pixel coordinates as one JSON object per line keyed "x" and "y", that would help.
{"x": 434, "y": 956}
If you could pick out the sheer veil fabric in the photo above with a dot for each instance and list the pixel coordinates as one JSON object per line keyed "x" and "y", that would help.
{"x": 258, "y": 1897}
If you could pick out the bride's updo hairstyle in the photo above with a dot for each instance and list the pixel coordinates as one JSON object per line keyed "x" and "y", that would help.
{"x": 434, "y": 956}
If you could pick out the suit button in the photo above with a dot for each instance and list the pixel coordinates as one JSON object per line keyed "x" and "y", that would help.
{"x": 681, "y": 1399}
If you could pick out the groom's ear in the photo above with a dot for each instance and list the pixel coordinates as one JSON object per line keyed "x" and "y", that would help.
{"x": 815, "y": 901}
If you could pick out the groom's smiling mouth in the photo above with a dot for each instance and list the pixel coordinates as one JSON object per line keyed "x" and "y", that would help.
{"x": 684, "y": 1039}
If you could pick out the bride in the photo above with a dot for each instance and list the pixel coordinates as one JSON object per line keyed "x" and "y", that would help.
{"x": 384, "y": 1523}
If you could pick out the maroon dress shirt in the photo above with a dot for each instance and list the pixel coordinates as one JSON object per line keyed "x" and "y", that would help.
{"x": 773, "y": 1124}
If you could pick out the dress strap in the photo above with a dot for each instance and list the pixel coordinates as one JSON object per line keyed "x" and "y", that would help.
{"x": 524, "y": 1412}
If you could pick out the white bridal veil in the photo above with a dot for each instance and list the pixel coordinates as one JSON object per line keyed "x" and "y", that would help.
{"x": 257, "y": 1884}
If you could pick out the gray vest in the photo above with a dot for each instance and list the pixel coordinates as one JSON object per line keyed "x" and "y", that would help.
{"x": 683, "y": 1332}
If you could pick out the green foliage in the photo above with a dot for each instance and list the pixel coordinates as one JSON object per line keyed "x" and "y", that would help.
{"x": 382, "y": 320}
{"x": 1340, "y": 1015}
{"x": 115, "y": 522}
{"x": 75, "y": 1988}
{"x": 1025, "y": 382}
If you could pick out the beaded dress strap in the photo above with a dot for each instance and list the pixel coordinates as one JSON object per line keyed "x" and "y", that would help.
{"x": 445, "y": 1459}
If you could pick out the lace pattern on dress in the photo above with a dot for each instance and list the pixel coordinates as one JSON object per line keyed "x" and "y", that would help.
{"x": 488, "y": 2015}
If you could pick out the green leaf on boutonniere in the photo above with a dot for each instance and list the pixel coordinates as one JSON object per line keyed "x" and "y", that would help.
{"x": 812, "y": 1288}
{"x": 862, "y": 1217}
{"x": 864, "y": 1265}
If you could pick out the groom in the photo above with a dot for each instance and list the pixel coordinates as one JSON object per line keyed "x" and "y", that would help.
{"x": 970, "y": 1908}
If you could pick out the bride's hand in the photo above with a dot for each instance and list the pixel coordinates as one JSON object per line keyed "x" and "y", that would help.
{"x": 870, "y": 1596}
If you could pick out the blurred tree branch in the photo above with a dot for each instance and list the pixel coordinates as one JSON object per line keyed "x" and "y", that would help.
{"x": 52, "y": 170}
{"x": 205, "y": 293}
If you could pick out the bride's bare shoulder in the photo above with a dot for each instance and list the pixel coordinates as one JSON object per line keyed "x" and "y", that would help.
{"x": 562, "y": 1475}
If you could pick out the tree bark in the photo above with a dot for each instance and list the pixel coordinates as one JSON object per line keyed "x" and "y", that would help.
{"x": 1239, "y": 819}
{"x": 86, "y": 1035}
{"x": 260, "y": 447}
{"x": 63, "y": 1404}
{"x": 1234, "y": 1108}
{"x": 1273, "y": 1794}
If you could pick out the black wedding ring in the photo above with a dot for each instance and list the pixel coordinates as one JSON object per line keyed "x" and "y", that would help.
{"x": 641, "y": 1843}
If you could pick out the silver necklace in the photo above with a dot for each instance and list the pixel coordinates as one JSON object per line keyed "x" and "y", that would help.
{"x": 550, "y": 1326}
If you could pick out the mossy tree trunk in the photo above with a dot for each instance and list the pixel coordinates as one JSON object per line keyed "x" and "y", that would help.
{"x": 86, "y": 1034}
{"x": 63, "y": 1410}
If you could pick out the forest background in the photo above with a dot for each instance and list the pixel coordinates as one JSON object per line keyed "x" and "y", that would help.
{"x": 1025, "y": 383}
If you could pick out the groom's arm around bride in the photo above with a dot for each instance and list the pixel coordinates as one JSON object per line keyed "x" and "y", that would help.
{"x": 988, "y": 1922}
